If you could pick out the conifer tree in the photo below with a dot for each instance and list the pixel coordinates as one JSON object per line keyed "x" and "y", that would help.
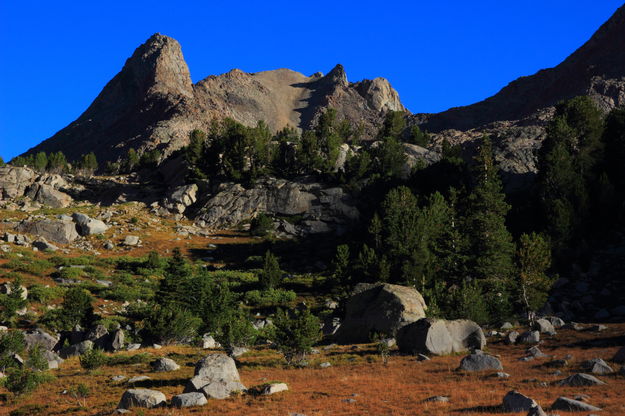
{"x": 534, "y": 258}
{"x": 492, "y": 249}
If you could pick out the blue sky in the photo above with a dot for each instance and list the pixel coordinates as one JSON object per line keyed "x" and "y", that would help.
{"x": 57, "y": 56}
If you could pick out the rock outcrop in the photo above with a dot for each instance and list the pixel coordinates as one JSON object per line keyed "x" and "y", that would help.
{"x": 216, "y": 377}
{"x": 318, "y": 209}
{"x": 381, "y": 309}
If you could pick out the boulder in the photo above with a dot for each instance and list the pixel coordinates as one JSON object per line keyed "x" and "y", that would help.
{"x": 274, "y": 388}
{"x": 188, "y": 400}
{"x": 544, "y": 326}
{"x": 76, "y": 349}
{"x": 54, "y": 361}
{"x": 529, "y": 337}
{"x": 480, "y": 362}
{"x": 619, "y": 357}
{"x": 597, "y": 366}
{"x": 138, "y": 379}
{"x": 440, "y": 337}
{"x": 216, "y": 376}
{"x": 164, "y": 364}
{"x": 536, "y": 411}
{"x": 88, "y": 226}
{"x": 379, "y": 308}
{"x": 14, "y": 181}
{"x": 117, "y": 340}
{"x": 43, "y": 245}
{"x": 181, "y": 198}
{"x": 47, "y": 195}
{"x": 515, "y": 402}
{"x": 40, "y": 337}
{"x": 208, "y": 342}
{"x": 570, "y": 405}
{"x": 580, "y": 380}
{"x": 511, "y": 337}
{"x": 142, "y": 398}
{"x": 62, "y": 232}
{"x": 131, "y": 240}
{"x": 555, "y": 321}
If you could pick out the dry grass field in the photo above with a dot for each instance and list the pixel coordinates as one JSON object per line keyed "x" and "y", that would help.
{"x": 358, "y": 383}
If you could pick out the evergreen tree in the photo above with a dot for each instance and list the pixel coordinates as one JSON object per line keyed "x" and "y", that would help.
{"x": 172, "y": 289}
{"x": 492, "y": 249}
{"x": 1, "y": 161}
{"x": 534, "y": 258}
{"x": 271, "y": 275}
{"x": 341, "y": 275}
{"x": 132, "y": 160}
{"x": 41, "y": 161}
{"x": 394, "y": 125}
{"x": 88, "y": 164}
{"x": 13, "y": 301}
{"x": 419, "y": 137}
{"x": 57, "y": 163}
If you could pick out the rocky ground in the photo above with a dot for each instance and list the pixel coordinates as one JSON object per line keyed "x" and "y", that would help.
{"x": 357, "y": 382}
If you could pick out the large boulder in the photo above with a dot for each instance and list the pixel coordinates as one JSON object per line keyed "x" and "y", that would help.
{"x": 164, "y": 364}
{"x": 440, "y": 337}
{"x": 514, "y": 401}
{"x": 216, "y": 376}
{"x": 41, "y": 338}
{"x": 88, "y": 226}
{"x": 47, "y": 195}
{"x": 58, "y": 231}
{"x": 581, "y": 380}
{"x": 379, "y": 308}
{"x": 480, "y": 362}
{"x": 181, "y": 198}
{"x": 14, "y": 181}
{"x": 597, "y": 366}
{"x": 570, "y": 405}
{"x": 188, "y": 400}
{"x": 142, "y": 398}
{"x": 76, "y": 349}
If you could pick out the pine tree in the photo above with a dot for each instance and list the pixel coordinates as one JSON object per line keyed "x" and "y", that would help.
{"x": 41, "y": 161}
{"x": 172, "y": 288}
{"x": 271, "y": 275}
{"x": 534, "y": 258}
{"x": 492, "y": 248}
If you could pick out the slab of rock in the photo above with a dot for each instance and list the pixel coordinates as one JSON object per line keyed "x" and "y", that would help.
{"x": 440, "y": 337}
{"x": 14, "y": 181}
{"x": 581, "y": 380}
{"x": 164, "y": 364}
{"x": 54, "y": 361}
{"x": 188, "y": 400}
{"x": 597, "y": 366}
{"x": 379, "y": 308}
{"x": 480, "y": 362}
{"x": 43, "y": 245}
{"x": 142, "y": 398}
{"x": 61, "y": 232}
{"x": 514, "y": 401}
{"x": 138, "y": 379}
{"x": 511, "y": 337}
{"x": 570, "y": 405}
{"x": 555, "y": 321}
{"x": 208, "y": 342}
{"x": 536, "y": 352}
{"x": 274, "y": 388}
{"x": 437, "y": 399}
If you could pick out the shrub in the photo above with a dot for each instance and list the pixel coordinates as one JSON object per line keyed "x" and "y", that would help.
{"x": 92, "y": 359}
{"x": 171, "y": 324}
{"x": 238, "y": 331}
{"x": 13, "y": 301}
{"x": 36, "y": 360}
{"x": 295, "y": 333}
{"x": 261, "y": 225}
{"x": 271, "y": 297}
{"x": 76, "y": 308}
{"x": 45, "y": 295}
{"x": 20, "y": 381}
{"x": 271, "y": 274}
{"x": 11, "y": 342}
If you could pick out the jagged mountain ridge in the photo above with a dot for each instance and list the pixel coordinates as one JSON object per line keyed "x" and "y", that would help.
{"x": 152, "y": 103}
{"x": 597, "y": 69}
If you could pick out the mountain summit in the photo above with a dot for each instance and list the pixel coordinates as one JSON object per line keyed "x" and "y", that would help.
{"x": 152, "y": 103}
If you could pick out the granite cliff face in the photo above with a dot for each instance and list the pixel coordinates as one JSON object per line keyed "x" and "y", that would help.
{"x": 152, "y": 103}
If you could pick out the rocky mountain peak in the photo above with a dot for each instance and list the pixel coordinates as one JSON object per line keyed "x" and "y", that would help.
{"x": 337, "y": 76}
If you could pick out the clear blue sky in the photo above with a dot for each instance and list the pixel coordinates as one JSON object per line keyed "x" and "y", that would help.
{"x": 56, "y": 56}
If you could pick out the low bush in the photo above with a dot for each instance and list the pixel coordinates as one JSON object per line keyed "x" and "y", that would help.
{"x": 267, "y": 298}
{"x": 45, "y": 294}
{"x": 294, "y": 333}
{"x": 170, "y": 325}
{"x": 20, "y": 381}
{"x": 92, "y": 359}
